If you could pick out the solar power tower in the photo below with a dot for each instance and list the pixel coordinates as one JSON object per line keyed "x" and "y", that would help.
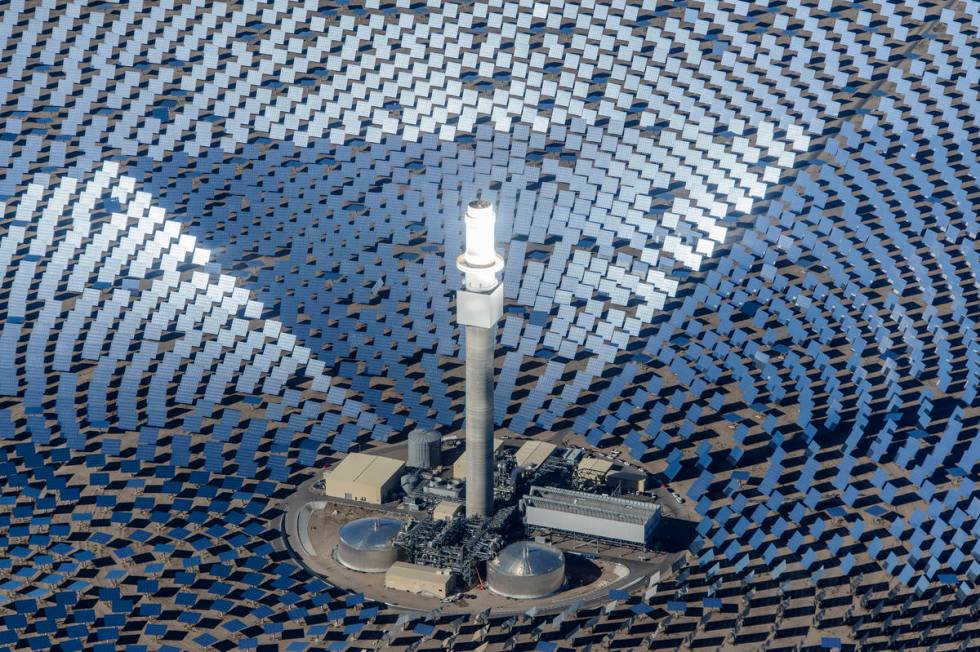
{"x": 479, "y": 306}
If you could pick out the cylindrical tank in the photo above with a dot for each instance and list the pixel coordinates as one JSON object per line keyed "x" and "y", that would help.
{"x": 424, "y": 449}
{"x": 368, "y": 544}
{"x": 526, "y": 570}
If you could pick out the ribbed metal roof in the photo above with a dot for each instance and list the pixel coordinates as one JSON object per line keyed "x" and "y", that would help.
{"x": 370, "y": 533}
{"x": 526, "y": 558}
{"x": 615, "y": 508}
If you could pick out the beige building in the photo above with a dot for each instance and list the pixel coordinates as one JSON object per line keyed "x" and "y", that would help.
{"x": 413, "y": 578}
{"x": 595, "y": 468}
{"x": 533, "y": 453}
{"x": 360, "y": 476}
{"x": 459, "y": 466}
{"x": 446, "y": 510}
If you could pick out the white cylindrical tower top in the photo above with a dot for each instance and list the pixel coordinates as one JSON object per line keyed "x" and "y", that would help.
{"x": 480, "y": 261}
{"x": 480, "y": 221}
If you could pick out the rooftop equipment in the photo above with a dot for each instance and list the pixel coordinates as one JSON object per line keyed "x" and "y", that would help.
{"x": 573, "y": 454}
{"x": 368, "y": 544}
{"x": 443, "y": 489}
{"x": 479, "y": 306}
{"x": 505, "y": 480}
{"x": 526, "y": 570}
{"x": 424, "y": 449}
{"x": 612, "y": 518}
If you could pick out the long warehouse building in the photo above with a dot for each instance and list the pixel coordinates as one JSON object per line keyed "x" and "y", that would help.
{"x": 591, "y": 515}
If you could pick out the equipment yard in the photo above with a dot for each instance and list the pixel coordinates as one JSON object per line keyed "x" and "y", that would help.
{"x": 589, "y": 576}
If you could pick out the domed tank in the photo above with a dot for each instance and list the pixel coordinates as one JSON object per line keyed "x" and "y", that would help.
{"x": 368, "y": 544}
{"x": 526, "y": 570}
{"x": 424, "y": 449}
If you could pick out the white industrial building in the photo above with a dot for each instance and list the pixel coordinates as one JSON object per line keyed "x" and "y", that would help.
{"x": 591, "y": 515}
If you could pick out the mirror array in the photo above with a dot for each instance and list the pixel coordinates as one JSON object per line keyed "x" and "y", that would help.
{"x": 741, "y": 244}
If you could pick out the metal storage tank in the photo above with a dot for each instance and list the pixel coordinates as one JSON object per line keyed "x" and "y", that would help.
{"x": 526, "y": 570}
{"x": 424, "y": 449}
{"x": 368, "y": 544}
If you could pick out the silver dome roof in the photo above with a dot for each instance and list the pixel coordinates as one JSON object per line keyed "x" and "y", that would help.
{"x": 370, "y": 533}
{"x": 424, "y": 434}
{"x": 526, "y": 558}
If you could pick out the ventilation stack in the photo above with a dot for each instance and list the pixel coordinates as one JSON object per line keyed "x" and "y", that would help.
{"x": 479, "y": 306}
